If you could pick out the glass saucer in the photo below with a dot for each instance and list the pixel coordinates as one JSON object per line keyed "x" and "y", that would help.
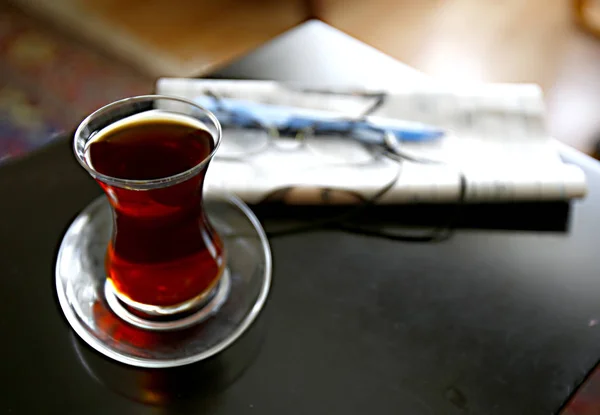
{"x": 80, "y": 285}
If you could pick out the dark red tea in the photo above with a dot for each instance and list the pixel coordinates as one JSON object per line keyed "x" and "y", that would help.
{"x": 163, "y": 252}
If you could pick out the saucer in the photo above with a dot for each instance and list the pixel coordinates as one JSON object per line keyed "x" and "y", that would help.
{"x": 81, "y": 278}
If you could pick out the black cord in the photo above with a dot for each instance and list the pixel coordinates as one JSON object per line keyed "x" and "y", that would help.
{"x": 341, "y": 222}
{"x": 335, "y": 221}
{"x": 439, "y": 234}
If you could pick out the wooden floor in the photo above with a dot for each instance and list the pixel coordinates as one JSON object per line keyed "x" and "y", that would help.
{"x": 456, "y": 40}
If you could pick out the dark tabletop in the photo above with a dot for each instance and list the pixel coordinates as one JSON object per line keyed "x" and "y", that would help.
{"x": 487, "y": 322}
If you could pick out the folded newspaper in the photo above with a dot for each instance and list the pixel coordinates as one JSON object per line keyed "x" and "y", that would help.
{"x": 494, "y": 137}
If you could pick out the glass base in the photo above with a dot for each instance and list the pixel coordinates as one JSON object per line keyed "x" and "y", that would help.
{"x": 105, "y": 324}
{"x": 211, "y": 302}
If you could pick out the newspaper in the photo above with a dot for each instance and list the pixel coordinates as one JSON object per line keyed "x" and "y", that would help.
{"x": 495, "y": 139}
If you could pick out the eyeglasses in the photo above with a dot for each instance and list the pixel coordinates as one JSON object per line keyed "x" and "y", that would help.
{"x": 343, "y": 140}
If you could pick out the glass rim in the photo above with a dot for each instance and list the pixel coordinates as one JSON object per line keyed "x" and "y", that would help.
{"x": 138, "y": 184}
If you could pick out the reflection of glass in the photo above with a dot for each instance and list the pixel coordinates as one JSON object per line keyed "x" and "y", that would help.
{"x": 150, "y": 155}
{"x": 190, "y": 385}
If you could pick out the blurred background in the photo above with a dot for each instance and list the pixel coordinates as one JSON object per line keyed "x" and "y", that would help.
{"x": 61, "y": 59}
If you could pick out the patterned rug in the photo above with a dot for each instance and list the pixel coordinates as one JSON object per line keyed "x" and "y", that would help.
{"x": 49, "y": 82}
